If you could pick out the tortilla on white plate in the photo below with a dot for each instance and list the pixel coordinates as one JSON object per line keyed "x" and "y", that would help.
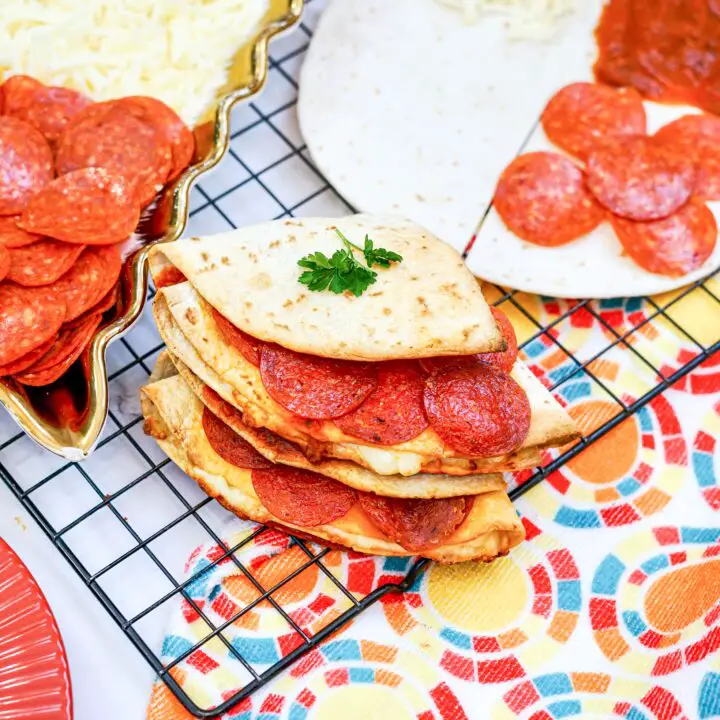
{"x": 408, "y": 109}
{"x": 594, "y": 266}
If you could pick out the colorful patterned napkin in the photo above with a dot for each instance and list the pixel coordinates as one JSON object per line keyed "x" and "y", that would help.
{"x": 611, "y": 607}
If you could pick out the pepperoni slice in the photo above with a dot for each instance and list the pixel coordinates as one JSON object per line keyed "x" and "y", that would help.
{"x": 42, "y": 262}
{"x": 542, "y": 198}
{"x": 51, "y": 109}
{"x": 638, "y": 178}
{"x": 4, "y": 262}
{"x": 315, "y": 387}
{"x": 89, "y": 281}
{"x": 70, "y": 343}
{"x": 479, "y": 412}
{"x": 394, "y": 411}
{"x": 455, "y": 361}
{"x": 583, "y": 115}
{"x": 503, "y": 360}
{"x": 90, "y": 207}
{"x": 18, "y": 92}
{"x": 672, "y": 246}
{"x": 697, "y": 137}
{"x": 24, "y": 362}
{"x": 228, "y": 414}
{"x": 229, "y": 445}
{"x": 416, "y": 524}
{"x": 107, "y": 302}
{"x": 169, "y": 125}
{"x": 248, "y": 346}
{"x": 28, "y": 318}
{"x": 169, "y": 275}
{"x": 26, "y": 164}
{"x": 302, "y": 497}
{"x": 12, "y": 235}
{"x": 111, "y": 135}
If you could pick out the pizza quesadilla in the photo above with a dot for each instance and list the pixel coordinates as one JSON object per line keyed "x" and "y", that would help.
{"x": 429, "y": 305}
{"x": 279, "y": 450}
{"x": 190, "y": 329}
{"x": 345, "y": 379}
{"x": 478, "y": 527}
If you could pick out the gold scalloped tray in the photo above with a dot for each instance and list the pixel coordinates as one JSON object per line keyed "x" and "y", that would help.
{"x": 68, "y": 416}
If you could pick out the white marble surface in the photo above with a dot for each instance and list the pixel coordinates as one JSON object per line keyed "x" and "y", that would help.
{"x": 109, "y": 678}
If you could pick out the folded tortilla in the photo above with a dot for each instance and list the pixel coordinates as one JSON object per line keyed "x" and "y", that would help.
{"x": 187, "y": 326}
{"x": 173, "y": 416}
{"x": 278, "y": 450}
{"x": 427, "y": 305}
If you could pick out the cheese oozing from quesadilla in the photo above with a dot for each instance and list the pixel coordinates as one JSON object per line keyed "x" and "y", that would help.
{"x": 278, "y": 450}
{"x": 187, "y": 325}
{"x": 174, "y": 416}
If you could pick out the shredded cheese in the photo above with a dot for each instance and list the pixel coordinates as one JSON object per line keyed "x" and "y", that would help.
{"x": 178, "y": 51}
{"x": 526, "y": 19}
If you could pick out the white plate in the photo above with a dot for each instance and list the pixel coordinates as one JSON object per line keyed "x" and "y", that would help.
{"x": 407, "y": 110}
{"x": 593, "y": 266}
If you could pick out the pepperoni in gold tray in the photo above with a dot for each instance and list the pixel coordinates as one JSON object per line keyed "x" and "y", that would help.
{"x": 76, "y": 176}
{"x": 371, "y": 410}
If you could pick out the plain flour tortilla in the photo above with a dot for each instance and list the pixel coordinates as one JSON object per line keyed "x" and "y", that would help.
{"x": 189, "y": 330}
{"x": 429, "y": 304}
{"x": 491, "y": 528}
{"x": 407, "y": 109}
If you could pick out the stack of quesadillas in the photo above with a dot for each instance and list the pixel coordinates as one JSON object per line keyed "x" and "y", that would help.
{"x": 369, "y": 402}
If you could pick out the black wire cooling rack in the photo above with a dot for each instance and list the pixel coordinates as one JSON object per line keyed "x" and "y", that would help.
{"x": 125, "y": 452}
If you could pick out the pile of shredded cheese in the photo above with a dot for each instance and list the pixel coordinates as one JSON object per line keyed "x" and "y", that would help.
{"x": 175, "y": 50}
{"x": 526, "y": 19}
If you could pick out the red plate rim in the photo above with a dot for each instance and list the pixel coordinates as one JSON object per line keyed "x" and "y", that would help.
{"x": 34, "y": 672}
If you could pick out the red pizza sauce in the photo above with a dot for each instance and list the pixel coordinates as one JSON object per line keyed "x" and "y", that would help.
{"x": 668, "y": 50}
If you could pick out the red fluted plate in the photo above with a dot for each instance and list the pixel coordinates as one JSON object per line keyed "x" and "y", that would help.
{"x": 34, "y": 674}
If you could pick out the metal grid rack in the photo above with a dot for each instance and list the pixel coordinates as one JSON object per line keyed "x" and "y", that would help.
{"x": 266, "y": 174}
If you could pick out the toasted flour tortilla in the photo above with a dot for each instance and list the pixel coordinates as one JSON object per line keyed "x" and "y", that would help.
{"x": 426, "y": 305}
{"x": 594, "y": 266}
{"x": 406, "y": 108}
{"x": 186, "y": 387}
{"x": 189, "y": 330}
{"x": 491, "y": 528}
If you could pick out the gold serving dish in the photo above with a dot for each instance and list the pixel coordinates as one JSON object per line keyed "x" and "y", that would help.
{"x": 68, "y": 416}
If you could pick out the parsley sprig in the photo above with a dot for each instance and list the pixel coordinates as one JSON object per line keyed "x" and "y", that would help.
{"x": 373, "y": 256}
{"x": 342, "y": 272}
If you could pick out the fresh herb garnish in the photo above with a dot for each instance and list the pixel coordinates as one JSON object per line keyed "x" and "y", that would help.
{"x": 373, "y": 256}
{"x": 342, "y": 271}
{"x": 338, "y": 273}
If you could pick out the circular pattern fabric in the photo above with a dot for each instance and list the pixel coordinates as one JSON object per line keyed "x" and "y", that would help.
{"x": 630, "y": 473}
{"x": 668, "y": 340}
{"x": 587, "y": 694}
{"x": 352, "y": 678}
{"x": 706, "y": 457}
{"x": 709, "y": 692}
{"x": 219, "y": 590}
{"x": 536, "y": 600}
{"x": 580, "y": 347}
{"x": 655, "y": 602}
